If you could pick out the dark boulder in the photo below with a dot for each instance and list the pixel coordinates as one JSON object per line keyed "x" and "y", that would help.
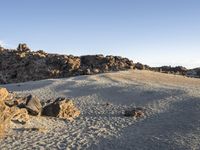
{"x": 61, "y": 108}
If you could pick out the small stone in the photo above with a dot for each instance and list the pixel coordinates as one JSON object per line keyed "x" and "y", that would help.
{"x": 136, "y": 112}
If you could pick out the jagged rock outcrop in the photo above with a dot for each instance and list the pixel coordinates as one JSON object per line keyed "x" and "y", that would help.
{"x": 8, "y": 114}
{"x": 194, "y": 73}
{"x": 180, "y": 70}
{"x": 101, "y": 64}
{"x": 18, "y": 109}
{"x": 22, "y": 65}
{"x": 23, "y": 48}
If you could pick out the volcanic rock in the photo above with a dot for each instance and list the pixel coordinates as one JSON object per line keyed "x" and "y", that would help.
{"x": 61, "y": 108}
{"x": 33, "y": 105}
{"x": 19, "y": 115}
{"x": 23, "y": 47}
{"x": 139, "y": 66}
{"x": 22, "y": 64}
{"x": 180, "y": 70}
{"x": 136, "y": 112}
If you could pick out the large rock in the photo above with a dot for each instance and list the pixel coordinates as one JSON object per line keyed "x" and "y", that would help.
{"x": 8, "y": 114}
{"x": 33, "y": 105}
{"x": 61, "y": 108}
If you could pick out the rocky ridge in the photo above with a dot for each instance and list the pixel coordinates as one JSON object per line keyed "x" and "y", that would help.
{"x": 22, "y": 64}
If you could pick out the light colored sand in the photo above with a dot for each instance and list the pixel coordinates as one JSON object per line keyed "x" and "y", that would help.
{"x": 172, "y": 120}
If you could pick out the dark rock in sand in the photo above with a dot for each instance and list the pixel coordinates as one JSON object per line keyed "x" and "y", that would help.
{"x": 135, "y": 112}
{"x": 61, "y": 108}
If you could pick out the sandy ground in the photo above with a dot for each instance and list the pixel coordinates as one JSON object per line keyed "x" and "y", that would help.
{"x": 172, "y": 119}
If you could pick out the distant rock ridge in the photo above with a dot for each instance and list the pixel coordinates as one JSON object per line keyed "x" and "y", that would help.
{"x": 22, "y": 64}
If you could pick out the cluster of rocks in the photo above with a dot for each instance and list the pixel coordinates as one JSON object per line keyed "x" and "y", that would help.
{"x": 194, "y": 73}
{"x": 179, "y": 70}
{"x": 18, "y": 109}
{"x": 22, "y": 64}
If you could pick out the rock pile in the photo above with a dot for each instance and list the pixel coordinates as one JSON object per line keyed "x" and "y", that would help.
{"x": 93, "y": 64}
{"x": 179, "y": 70}
{"x": 17, "y": 109}
{"x": 22, "y": 64}
{"x": 194, "y": 73}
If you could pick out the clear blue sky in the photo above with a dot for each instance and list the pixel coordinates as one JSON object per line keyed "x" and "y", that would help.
{"x": 155, "y": 32}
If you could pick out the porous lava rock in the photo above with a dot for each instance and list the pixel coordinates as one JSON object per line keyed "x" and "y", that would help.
{"x": 22, "y": 64}
{"x": 61, "y": 108}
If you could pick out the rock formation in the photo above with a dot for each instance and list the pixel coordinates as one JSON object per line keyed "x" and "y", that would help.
{"x": 8, "y": 114}
{"x": 180, "y": 70}
{"x": 17, "y": 109}
{"x": 22, "y": 65}
{"x": 194, "y": 73}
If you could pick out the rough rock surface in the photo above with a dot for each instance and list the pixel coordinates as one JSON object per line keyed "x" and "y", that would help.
{"x": 22, "y": 64}
{"x": 17, "y": 109}
{"x": 61, "y": 108}
{"x": 180, "y": 70}
{"x": 10, "y": 113}
{"x": 33, "y": 105}
{"x": 3, "y": 94}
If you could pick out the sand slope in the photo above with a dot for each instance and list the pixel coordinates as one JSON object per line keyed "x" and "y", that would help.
{"x": 172, "y": 118}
